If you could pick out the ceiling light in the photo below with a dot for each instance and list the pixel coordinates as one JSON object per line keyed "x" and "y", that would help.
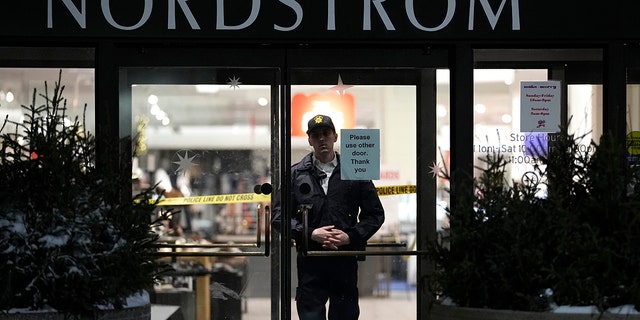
{"x": 153, "y": 99}
{"x": 155, "y": 109}
{"x": 441, "y": 111}
{"x": 207, "y": 88}
{"x": 161, "y": 115}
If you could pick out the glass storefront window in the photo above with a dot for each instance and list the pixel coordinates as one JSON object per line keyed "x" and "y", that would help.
{"x": 443, "y": 141}
{"x": 633, "y": 107}
{"x": 497, "y": 117}
{"x": 17, "y": 87}
{"x": 633, "y": 120}
{"x": 585, "y": 111}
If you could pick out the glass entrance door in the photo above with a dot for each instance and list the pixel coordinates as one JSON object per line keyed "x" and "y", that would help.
{"x": 203, "y": 140}
{"x": 395, "y": 99}
{"x": 213, "y": 142}
{"x": 386, "y": 278}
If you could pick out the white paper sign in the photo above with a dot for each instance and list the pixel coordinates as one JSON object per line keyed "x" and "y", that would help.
{"x": 540, "y": 106}
{"x": 360, "y": 154}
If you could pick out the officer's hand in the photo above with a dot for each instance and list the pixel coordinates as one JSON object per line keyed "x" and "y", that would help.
{"x": 330, "y": 238}
{"x": 321, "y": 234}
{"x": 339, "y": 238}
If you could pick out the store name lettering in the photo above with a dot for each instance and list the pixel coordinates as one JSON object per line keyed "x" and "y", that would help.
{"x": 370, "y": 7}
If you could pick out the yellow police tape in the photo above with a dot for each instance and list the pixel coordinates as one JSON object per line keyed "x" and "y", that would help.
{"x": 393, "y": 190}
{"x": 254, "y": 197}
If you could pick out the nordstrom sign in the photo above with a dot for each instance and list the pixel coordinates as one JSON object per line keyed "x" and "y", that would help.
{"x": 283, "y": 16}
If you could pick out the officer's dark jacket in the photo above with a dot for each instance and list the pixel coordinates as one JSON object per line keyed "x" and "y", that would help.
{"x": 352, "y": 206}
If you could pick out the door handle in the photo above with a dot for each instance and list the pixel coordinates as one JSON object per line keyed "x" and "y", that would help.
{"x": 265, "y": 189}
{"x": 306, "y": 252}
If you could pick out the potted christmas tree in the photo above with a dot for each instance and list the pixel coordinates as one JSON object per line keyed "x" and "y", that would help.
{"x": 567, "y": 240}
{"x": 71, "y": 239}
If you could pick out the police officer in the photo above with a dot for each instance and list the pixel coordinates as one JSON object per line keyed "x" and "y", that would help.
{"x": 343, "y": 215}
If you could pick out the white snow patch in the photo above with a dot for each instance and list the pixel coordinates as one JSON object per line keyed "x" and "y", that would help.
{"x": 44, "y": 309}
{"x": 627, "y": 309}
{"x": 74, "y": 269}
{"x": 135, "y": 300}
{"x": 51, "y": 241}
{"x": 9, "y": 249}
{"x": 138, "y": 300}
{"x": 622, "y": 310}
{"x": 16, "y": 225}
{"x": 576, "y": 309}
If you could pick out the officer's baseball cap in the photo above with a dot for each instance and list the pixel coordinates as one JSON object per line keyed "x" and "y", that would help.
{"x": 320, "y": 121}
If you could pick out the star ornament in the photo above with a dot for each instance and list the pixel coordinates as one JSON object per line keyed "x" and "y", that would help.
{"x": 184, "y": 163}
{"x": 435, "y": 169}
{"x": 341, "y": 87}
{"x": 234, "y": 82}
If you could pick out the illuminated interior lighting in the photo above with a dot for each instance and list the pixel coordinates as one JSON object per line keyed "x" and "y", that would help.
{"x": 207, "y": 88}
{"x": 441, "y": 111}
{"x": 153, "y": 99}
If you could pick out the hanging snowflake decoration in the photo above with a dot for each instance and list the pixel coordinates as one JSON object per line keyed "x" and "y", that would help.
{"x": 184, "y": 163}
{"x": 340, "y": 87}
{"x": 234, "y": 82}
{"x": 435, "y": 169}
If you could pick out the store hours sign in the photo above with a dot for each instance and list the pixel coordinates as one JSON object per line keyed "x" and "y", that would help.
{"x": 360, "y": 154}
